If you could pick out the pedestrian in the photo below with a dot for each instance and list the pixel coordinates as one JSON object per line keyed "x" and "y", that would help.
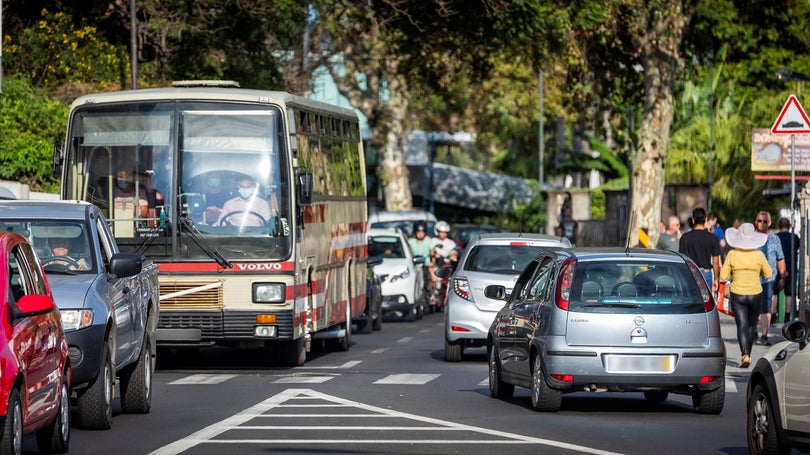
{"x": 713, "y": 225}
{"x": 776, "y": 259}
{"x": 791, "y": 262}
{"x": 745, "y": 264}
{"x": 671, "y": 237}
{"x": 703, "y": 247}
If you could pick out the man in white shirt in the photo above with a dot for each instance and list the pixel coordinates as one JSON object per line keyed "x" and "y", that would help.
{"x": 247, "y": 209}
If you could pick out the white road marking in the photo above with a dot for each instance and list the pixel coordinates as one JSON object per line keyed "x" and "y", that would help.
{"x": 379, "y": 351}
{"x": 302, "y": 379}
{"x": 425, "y": 331}
{"x": 408, "y": 379}
{"x": 349, "y": 364}
{"x": 484, "y": 383}
{"x": 203, "y": 379}
{"x": 207, "y": 435}
{"x": 404, "y": 340}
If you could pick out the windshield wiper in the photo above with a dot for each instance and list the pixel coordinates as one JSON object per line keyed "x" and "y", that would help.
{"x": 612, "y": 305}
{"x": 200, "y": 241}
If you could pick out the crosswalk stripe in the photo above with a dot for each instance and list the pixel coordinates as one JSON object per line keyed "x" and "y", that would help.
{"x": 203, "y": 379}
{"x": 404, "y": 340}
{"x": 303, "y": 379}
{"x": 407, "y": 379}
{"x": 379, "y": 351}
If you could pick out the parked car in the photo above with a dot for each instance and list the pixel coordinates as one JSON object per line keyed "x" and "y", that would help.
{"x": 403, "y": 290}
{"x": 403, "y": 220}
{"x": 778, "y": 401}
{"x": 34, "y": 364}
{"x": 371, "y": 318}
{"x": 490, "y": 259}
{"x": 615, "y": 320}
{"x": 108, "y": 301}
{"x": 462, "y": 233}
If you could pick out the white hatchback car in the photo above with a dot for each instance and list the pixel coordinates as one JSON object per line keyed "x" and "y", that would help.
{"x": 403, "y": 280}
{"x": 778, "y": 396}
{"x": 488, "y": 259}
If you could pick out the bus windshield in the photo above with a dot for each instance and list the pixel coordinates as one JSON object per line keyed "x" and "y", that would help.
{"x": 185, "y": 180}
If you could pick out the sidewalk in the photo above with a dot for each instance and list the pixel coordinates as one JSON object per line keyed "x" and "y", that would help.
{"x": 729, "y": 330}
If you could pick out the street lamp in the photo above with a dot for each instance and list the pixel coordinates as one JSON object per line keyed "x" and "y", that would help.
{"x": 786, "y": 74}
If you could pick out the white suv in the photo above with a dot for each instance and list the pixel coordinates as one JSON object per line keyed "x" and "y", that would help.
{"x": 777, "y": 397}
{"x": 400, "y": 273}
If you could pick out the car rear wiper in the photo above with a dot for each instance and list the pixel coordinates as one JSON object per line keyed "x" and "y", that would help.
{"x": 612, "y": 305}
{"x": 196, "y": 236}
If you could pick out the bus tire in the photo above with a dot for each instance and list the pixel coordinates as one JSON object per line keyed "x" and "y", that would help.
{"x": 294, "y": 352}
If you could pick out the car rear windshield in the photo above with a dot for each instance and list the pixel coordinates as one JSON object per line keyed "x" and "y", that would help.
{"x": 505, "y": 259}
{"x": 656, "y": 287}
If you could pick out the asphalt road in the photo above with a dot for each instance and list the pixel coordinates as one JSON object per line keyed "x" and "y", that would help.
{"x": 392, "y": 392}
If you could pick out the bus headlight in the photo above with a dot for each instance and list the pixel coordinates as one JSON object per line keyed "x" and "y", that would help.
{"x": 76, "y": 319}
{"x": 269, "y": 292}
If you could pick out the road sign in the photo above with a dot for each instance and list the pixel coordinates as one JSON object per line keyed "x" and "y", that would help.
{"x": 792, "y": 119}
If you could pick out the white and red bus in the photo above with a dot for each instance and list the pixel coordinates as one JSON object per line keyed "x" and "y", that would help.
{"x": 253, "y": 203}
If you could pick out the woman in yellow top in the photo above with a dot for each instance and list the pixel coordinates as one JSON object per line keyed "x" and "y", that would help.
{"x": 744, "y": 265}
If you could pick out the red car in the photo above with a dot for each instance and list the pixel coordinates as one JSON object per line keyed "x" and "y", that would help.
{"x": 34, "y": 366}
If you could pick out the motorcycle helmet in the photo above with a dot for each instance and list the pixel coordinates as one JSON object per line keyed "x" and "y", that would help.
{"x": 419, "y": 226}
{"x": 442, "y": 226}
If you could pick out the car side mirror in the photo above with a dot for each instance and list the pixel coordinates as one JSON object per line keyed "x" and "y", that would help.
{"x": 495, "y": 292}
{"x": 796, "y": 332}
{"x": 374, "y": 260}
{"x": 124, "y": 265}
{"x": 443, "y": 272}
{"x": 419, "y": 260}
{"x": 31, "y": 305}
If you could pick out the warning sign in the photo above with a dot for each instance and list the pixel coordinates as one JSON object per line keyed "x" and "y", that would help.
{"x": 792, "y": 119}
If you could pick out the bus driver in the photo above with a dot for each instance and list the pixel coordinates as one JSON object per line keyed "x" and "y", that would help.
{"x": 245, "y": 209}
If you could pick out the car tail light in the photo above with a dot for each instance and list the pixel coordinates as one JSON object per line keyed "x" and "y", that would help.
{"x": 456, "y": 328}
{"x": 563, "y": 377}
{"x": 708, "y": 379}
{"x": 564, "y": 287}
{"x": 705, "y": 292}
{"x": 518, "y": 243}
{"x": 462, "y": 288}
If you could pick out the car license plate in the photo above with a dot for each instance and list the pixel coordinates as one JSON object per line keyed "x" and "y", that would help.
{"x": 639, "y": 363}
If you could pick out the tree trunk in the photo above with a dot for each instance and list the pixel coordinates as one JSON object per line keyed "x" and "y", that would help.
{"x": 659, "y": 42}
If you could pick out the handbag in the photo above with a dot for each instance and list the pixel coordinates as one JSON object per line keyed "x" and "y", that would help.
{"x": 723, "y": 301}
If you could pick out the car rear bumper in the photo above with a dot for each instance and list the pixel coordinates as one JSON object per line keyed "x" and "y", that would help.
{"x": 589, "y": 367}
{"x": 465, "y": 321}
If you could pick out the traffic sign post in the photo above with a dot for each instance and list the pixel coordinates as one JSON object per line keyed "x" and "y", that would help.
{"x": 792, "y": 120}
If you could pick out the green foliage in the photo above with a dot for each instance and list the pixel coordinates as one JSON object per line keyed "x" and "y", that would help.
{"x": 29, "y": 126}
{"x": 54, "y": 51}
{"x": 526, "y": 217}
{"x": 598, "y": 204}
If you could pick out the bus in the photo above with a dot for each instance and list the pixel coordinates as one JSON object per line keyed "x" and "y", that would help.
{"x": 252, "y": 202}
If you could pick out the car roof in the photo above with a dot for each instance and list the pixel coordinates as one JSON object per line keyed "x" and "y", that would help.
{"x": 384, "y": 231}
{"x": 401, "y": 215}
{"x": 619, "y": 253}
{"x": 501, "y": 237}
{"x": 45, "y": 209}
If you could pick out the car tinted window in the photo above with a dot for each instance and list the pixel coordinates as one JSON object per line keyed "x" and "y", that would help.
{"x": 661, "y": 287}
{"x": 540, "y": 282}
{"x": 387, "y": 246}
{"x": 500, "y": 258}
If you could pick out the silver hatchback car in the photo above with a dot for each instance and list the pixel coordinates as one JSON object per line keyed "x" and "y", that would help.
{"x": 608, "y": 320}
{"x": 489, "y": 259}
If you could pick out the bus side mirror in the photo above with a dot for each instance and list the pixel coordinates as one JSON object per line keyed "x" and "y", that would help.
{"x": 58, "y": 157}
{"x": 305, "y": 189}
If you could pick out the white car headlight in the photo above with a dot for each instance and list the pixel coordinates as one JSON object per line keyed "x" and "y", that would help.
{"x": 400, "y": 276}
{"x": 76, "y": 319}
{"x": 269, "y": 292}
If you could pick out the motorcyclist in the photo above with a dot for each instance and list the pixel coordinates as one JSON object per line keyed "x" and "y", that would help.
{"x": 443, "y": 245}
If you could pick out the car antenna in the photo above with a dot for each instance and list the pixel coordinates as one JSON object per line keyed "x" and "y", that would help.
{"x": 627, "y": 243}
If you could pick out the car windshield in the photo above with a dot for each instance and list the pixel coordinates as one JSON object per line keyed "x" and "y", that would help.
{"x": 604, "y": 285}
{"x": 62, "y": 246}
{"x": 505, "y": 259}
{"x": 387, "y": 246}
{"x": 406, "y": 226}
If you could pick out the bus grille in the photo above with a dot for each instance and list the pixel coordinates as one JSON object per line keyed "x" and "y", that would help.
{"x": 218, "y": 325}
{"x": 208, "y": 299}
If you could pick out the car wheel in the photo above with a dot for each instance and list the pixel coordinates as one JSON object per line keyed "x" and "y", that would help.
{"x": 410, "y": 316}
{"x": 710, "y": 402}
{"x": 656, "y": 396}
{"x": 453, "y": 350}
{"x": 378, "y": 317}
{"x": 763, "y": 438}
{"x": 544, "y": 398}
{"x": 55, "y": 438}
{"x": 12, "y": 439}
{"x": 365, "y": 326}
{"x": 95, "y": 402}
{"x": 420, "y": 311}
{"x": 136, "y": 381}
{"x": 498, "y": 388}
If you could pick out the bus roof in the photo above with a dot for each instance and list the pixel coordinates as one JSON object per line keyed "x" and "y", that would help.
{"x": 209, "y": 94}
